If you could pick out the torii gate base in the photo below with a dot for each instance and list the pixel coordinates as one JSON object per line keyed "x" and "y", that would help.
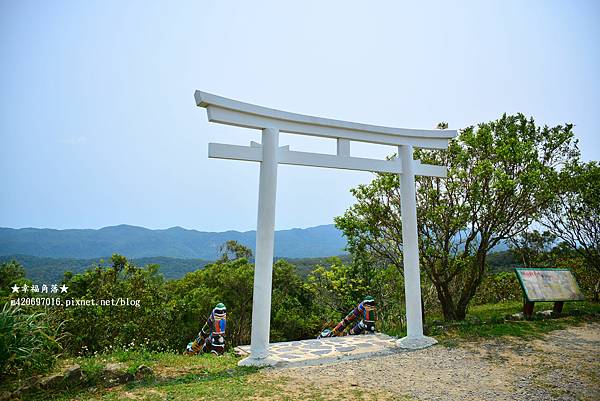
{"x": 326, "y": 350}
{"x": 269, "y": 154}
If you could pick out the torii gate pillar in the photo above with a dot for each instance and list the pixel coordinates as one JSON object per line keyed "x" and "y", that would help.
{"x": 265, "y": 240}
{"x": 410, "y": 252}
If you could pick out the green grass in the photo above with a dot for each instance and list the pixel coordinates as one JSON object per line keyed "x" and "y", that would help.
{"x": 179, "y": 377}
{"x": 204, "y": 377}
{"x": 182, "y": 377}
{"x": 486, "y": 321}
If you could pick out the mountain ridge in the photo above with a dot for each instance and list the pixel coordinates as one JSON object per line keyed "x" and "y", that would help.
{"x": 176, "y": 242}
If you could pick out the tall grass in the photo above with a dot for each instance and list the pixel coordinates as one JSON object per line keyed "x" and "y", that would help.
{"x": 28, "y": 342}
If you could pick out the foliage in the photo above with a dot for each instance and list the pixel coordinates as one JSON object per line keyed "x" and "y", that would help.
{"x": 294, "y": 312}
{"x": 11, "y": 273}
{"x": 50, "y": 270}
{"x": 28, "y": 343}
{"x": 304, "y": 266}
{"x": 170, "y": 313}
{"x": 232, "y": 250}
{"x": 503, "y": 261}
{"x": 339, "y": 287}
{"x": 196, "y": 294}
{"x": 498, "y": 181}
{"x": 94, "y": 328}
{"x": 500, "y": 287}
{"x": 532, "y": 247}
{"x": 575, "y": 215}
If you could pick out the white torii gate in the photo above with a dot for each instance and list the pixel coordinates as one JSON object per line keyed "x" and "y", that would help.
{"x": 269, "y": 154}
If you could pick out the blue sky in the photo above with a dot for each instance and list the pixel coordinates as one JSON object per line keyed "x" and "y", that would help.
{"x": 98, "y": 124}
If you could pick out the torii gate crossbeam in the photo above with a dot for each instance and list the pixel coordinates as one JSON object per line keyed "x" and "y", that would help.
{"x": 269, "y": 155}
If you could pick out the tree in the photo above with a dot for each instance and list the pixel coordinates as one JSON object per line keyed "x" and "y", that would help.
{"x": 235, "y": 249}
{"x": 532, "y": 247}
{"x": 11, "y": 273}
{"x": 575, "y": 215}
{"x": 499, "y": 176}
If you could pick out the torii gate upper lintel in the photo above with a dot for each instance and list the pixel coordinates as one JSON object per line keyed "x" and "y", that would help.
{"x": 269, "y": 154}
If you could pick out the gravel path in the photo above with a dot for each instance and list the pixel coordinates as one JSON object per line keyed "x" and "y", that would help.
{"x": 565, "y": 365}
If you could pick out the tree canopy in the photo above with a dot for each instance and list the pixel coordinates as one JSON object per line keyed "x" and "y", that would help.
{"x": 500, "y": 177}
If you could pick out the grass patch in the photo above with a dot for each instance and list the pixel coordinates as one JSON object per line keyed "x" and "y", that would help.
{"x": 92, "y": 369}
{"x": 490, "y": 320}
{"x": 179, "y": 377}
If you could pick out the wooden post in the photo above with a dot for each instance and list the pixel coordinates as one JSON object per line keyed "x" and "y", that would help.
{"x": 528, "y": 308}
{"x": 558, "y": 307}
{"x": 263, "y": 266}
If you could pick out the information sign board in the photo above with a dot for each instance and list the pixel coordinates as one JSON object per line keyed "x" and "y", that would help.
{"x": 549, "y": 285}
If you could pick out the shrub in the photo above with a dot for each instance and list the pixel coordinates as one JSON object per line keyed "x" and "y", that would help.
{"x": 28, "y": 343}
{"x": 499, "y": 287}
{"x": 96, "y": 328}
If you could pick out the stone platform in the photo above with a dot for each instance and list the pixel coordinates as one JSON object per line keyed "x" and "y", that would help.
{"x": 326, "y": 350}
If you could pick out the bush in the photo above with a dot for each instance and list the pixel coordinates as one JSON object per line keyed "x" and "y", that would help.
{"x": 231, "y": 282}
{"x": 28, "y": 343}
{"x": 338, "y": 288}
{"x": 152, "y": 323}
{"x": 498, "y": 287}
{"x": 171, "y": 313}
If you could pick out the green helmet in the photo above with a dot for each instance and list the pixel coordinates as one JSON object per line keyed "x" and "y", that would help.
{"x": 220, "y": 306}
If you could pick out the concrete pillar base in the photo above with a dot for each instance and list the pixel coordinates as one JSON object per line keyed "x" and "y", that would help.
{"x": 416, "y": 342}
{"x": 252, "y": 361}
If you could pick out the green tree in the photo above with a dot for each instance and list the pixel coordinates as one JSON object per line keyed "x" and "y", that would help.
{"x": 232, "y": 250}
{"x": 499, "y": 176}
{"x": 11, "y": 273}
{"x": 148, "y": 320}
{"x": 338, "y": 287}
{"x": 532, "y": 247}
{"x": 574, "y": 217}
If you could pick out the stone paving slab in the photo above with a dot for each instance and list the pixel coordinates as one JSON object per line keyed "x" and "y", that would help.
{"x": 326, "y": 350}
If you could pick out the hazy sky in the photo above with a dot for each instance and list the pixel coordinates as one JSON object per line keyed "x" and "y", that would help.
{"x": 98, "y": 124}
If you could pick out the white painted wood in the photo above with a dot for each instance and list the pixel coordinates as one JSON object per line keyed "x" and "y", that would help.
{"x": 343, "y": 147}
{"x": 269, "y": 154}
{"x": 265, "y": 234}
{"x": 430, "y": 170}
{"x": 235, "y": 152}
{"x": 410, "y": 246}
{"x": 232, "y": 112}
{"x": 286, "y": 156}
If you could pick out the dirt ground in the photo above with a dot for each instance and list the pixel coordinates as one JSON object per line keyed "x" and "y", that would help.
{"x": 565, "y": 365}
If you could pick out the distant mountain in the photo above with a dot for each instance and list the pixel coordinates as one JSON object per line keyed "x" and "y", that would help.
{"x": 176, "y": 242}
{"x": 41, "y": 269}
